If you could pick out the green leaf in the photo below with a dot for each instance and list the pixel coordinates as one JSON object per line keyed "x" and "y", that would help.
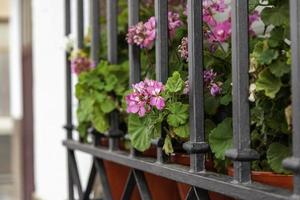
{"x": 168, "y": 148}
{"x": 275, "y": 155}
{"x": 268, "y": 83}
{"x": 82, "y": 129}
{"x": 99, "y": 97}
{"x": 263, "y": 54}
{"x": 220, "y": 138}
{"x": 110, "y": 82}
{"x": 211, "y": 104}
{"x": 182, "y": 131}
{"x": 276, "y": 16}
{"x": 253, "y": 4}
{"x": 79, "y": 91}
{"x": 279, "y": 68}
{"x": 179, "y": 114}
{"x": 277, "y": 36}
{"x": 108, "y": 105}
{"x": 226, "y": 99}
{"x": 100, "y": 121}
{"x": 85, "y": 109}
{"x": 175, "y": 83}
{"x": 209, "y": 126}
{"x": 140, "y": 132}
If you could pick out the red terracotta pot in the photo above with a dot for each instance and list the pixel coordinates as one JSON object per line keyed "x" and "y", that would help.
{"x": 270, "y": 178}
{"x": 183, "y": 189}
{"x": 160, "y": 188}
{"x": 117, "y": 176}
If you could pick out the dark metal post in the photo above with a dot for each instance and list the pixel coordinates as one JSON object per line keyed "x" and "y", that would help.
{"x": 196, "y": 146}
{"x": 95, "y": 26}
{"x": 293, "y": 163}
{"x": 112, "y": 30}
{"x": 69, "y": 124}
{"x": 161, "y": 53}
{"x": 134, "y": 52}
{"x": 80, "y": 25}
{"x": 112, "y": 43}
{"x": 242, "y": 154}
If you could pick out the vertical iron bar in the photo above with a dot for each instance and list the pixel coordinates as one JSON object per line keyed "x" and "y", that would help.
{"x": 293, "y": 163}
{"x": 112, "y": 30}
{"x": 69, "y": 125}
{"x": 114, "y": 131}
{"x": 240, "y": 80}
{"x": 161, "y": 43}
{"x": 134, "y": 52}
{"x": 95, "y": 26}
{"x": 80, "y": 25}
{"x": 112, "y": 38}
{"x": 196, "y": 96}
{"x": 161, "y": 56}
{"x": 295, "y": 31}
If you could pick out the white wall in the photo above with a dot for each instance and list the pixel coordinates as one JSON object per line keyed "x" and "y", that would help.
{"x": 15, "y": 61}
{"x": 49, "y": 102}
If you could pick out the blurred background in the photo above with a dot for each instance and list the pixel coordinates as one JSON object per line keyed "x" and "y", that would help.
{"x": 32, "y": 101}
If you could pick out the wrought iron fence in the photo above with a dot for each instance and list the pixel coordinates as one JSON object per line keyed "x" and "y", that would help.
{"x": 238, "y": 186}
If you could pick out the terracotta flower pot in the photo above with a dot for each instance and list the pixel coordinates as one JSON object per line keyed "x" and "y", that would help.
{"x": 160, "y": 188}
{"x": 270, "y": 178}
{"x": 117, "y": 176}
{"x": 183, "y": 189}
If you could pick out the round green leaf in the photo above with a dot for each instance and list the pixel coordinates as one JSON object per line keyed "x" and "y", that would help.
{"x": 268, "y": 83}
{"x": 220, "y": 138}
{"x": 275, "y": 155}
{"x": 140, "y": 132}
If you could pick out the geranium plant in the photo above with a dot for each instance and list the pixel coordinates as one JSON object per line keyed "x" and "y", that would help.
{"x": 269, "y": 93}
{"x": 99, "y": 91}
{"x": 269, "y": 76}
{"x": 154, "y": 107}
{"x": 151, "y": 103}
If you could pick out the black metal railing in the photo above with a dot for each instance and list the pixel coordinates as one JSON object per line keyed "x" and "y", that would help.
{"x": 239, "y": 186}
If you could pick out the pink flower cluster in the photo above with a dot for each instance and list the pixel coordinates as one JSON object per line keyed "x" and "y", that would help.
{"x": 174, "y": 23}
{"x": 80, "y": 64}
{"x": 143, "y": 34}
{"x": 220, "y": 31}
{"x": 183, "y": 49}
{"x": 209, "y": 77}
{"x": 145, "y": 96}
{"x": 212, "y": 7}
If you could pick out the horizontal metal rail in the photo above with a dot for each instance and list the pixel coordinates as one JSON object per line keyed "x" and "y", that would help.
{"x": 207, "y": 180}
